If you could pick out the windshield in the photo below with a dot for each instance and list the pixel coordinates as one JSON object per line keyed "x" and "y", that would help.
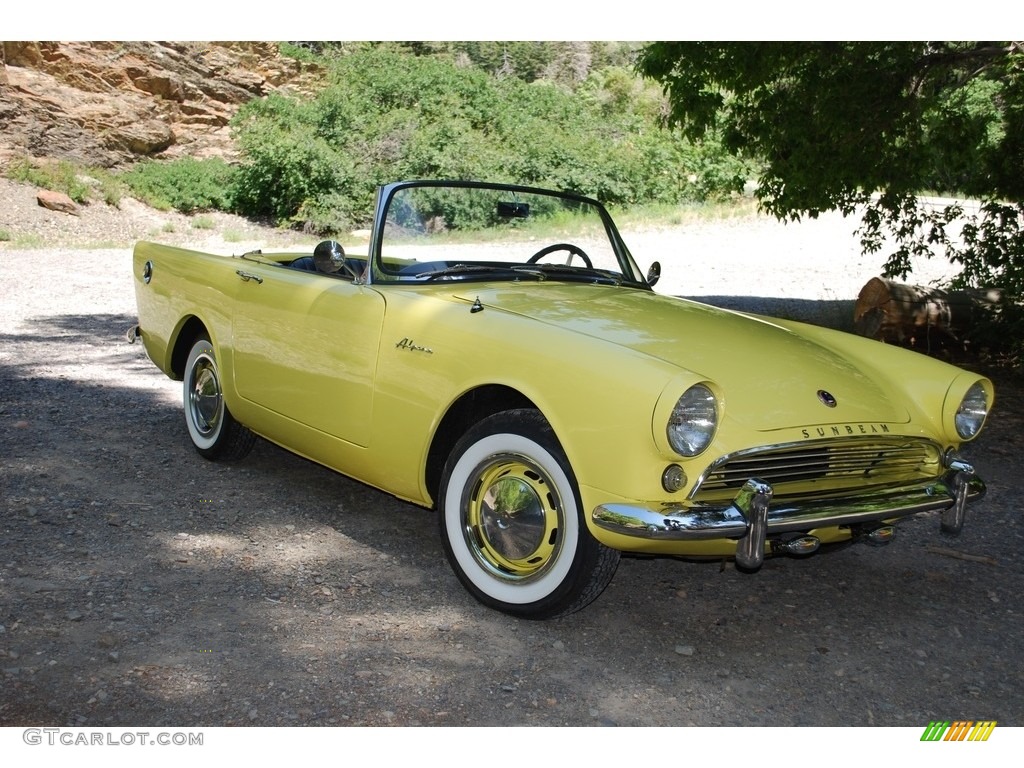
{"x": 448, "y": 231}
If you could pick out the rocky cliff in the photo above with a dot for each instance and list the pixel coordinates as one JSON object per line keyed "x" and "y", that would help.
{"x": 107, "y": 104}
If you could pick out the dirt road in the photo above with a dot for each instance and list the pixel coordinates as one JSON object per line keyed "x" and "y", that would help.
{"x": 141, "y": 584}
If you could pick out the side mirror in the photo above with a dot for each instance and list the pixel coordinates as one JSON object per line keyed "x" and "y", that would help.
{"x": 654, "y": 274}
{"x": 329, "y": 258}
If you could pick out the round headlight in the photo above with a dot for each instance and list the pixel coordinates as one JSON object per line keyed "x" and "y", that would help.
{"x": 970, "y": 416}
{"x": 693, "y": 421}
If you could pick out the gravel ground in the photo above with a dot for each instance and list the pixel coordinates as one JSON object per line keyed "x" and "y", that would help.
{"x": 140, "y": 584}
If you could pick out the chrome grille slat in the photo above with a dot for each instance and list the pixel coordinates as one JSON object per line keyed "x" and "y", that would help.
{"x": 834, "y": 465}
{"x": 851, "y": 462}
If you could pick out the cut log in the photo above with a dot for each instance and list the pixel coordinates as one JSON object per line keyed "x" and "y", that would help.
{"x": 916, "y": 316}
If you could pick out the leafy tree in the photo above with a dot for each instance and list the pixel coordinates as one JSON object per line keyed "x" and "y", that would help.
{"x": 866, "y": 128}
{"x": 564, "y": 62}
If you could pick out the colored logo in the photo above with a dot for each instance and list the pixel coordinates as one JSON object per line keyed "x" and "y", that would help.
{"x": 960, "y": 730}
{"x": 826, "y": 398}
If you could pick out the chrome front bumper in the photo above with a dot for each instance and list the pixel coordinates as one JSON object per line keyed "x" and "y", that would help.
{"x": 751, "y": 517}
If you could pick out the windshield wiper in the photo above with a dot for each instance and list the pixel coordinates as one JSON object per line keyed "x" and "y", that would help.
{"x": 459, "y": 269}
{"x": 582, "y": 274}
{"x": 537, "y": 271}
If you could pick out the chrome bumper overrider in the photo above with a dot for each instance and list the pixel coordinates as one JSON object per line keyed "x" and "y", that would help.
{"x": 751, "y": 517}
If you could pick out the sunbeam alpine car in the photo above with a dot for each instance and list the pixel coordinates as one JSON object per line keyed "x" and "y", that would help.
{"x": 494, "y": 352}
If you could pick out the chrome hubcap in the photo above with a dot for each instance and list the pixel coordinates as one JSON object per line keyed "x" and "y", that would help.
{"x": 204, "y": 396}
{"x": 513, "y": 518}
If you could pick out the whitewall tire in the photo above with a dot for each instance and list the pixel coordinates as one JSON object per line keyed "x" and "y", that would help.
{"x": 213, "y": 430}
{"x": 511, "y": 522}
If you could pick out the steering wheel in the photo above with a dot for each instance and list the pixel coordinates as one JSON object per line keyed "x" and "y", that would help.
{"x": 573, "y": 250}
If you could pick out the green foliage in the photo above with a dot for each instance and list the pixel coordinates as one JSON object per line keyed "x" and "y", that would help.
{"x": 300, "y": 51}
{"x": 62, "y": 176}
{"x": 986, "y": 241}
{"x": 291, "y": 160}
{"x": 30, "y": 240}
{"x": 5, "y": 236}
{"x": 992, "y": 254}
{"x": 399, "y": 111}
{"x": 82, "y": 184}
{"x": 834, "y": 121}
{"x": 963, "y": 134}
{"x": 332, "y": 213}
{"x": 513, "y": 496}
{"x": 866, "y": 128}
{"x": 111, "y": 188}
{"x": 568, "y": 63}
{"x": 185, "y": 185}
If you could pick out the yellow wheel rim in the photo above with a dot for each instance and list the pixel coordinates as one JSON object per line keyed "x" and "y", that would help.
{"x": 513, "y": 518}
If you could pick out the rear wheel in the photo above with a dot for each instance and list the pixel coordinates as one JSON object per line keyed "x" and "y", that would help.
{"x": 511, "y": 520}
{"x": 214, "y": 431}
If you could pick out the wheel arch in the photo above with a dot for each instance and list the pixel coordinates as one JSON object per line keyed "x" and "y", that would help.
{"x": 472, "y": 406}
{"x": 187, "y": 332}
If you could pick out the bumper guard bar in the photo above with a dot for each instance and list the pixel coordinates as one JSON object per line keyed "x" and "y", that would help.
{"x": 751, "y": 517}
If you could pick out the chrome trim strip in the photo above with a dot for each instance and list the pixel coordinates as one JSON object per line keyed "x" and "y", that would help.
{"x": 676, "y": 522}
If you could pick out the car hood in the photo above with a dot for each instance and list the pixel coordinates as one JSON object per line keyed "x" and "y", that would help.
{"x": 769, "y": 375}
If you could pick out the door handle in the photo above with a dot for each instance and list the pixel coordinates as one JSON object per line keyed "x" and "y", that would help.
{"x": 247, "y": 276}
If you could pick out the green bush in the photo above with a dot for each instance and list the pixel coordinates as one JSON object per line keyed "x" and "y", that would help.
{"x": 187, "y": 185}
{"x": 328, "y": 215}
{"x": 62, "y": 176}
{"x": 387, "y": 115}
{"x": 286, "y": 170}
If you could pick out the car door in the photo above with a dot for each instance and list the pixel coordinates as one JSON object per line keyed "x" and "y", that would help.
{"x": 305, "y": 347}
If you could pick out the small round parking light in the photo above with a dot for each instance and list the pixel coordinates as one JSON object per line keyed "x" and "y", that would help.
{"x": 673, "y": 478}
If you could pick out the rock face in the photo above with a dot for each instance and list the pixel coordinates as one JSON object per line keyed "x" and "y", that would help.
{"x": 106, "y": 104}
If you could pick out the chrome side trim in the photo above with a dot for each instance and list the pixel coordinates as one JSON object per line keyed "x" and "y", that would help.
{"x": 676, "y": 522}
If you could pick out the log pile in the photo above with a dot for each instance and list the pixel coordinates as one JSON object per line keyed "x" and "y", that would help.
{"x": 930, "y": 319}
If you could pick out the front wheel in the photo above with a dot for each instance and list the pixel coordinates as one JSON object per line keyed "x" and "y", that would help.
{"x": 511, "y": 520}
{"x": 214, "y": 431}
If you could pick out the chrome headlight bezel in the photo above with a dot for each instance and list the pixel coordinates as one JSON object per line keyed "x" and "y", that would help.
{"x": 972, "y": 412}
{"x": 693, "y": 422}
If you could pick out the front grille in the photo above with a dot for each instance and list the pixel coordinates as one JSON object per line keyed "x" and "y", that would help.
{"x": 823, "y": 465}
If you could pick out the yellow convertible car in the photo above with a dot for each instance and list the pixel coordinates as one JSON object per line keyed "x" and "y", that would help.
{"x": 494, "y": 352}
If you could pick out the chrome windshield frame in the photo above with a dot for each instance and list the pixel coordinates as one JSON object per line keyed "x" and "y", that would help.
{"x": 631, "y": 275}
